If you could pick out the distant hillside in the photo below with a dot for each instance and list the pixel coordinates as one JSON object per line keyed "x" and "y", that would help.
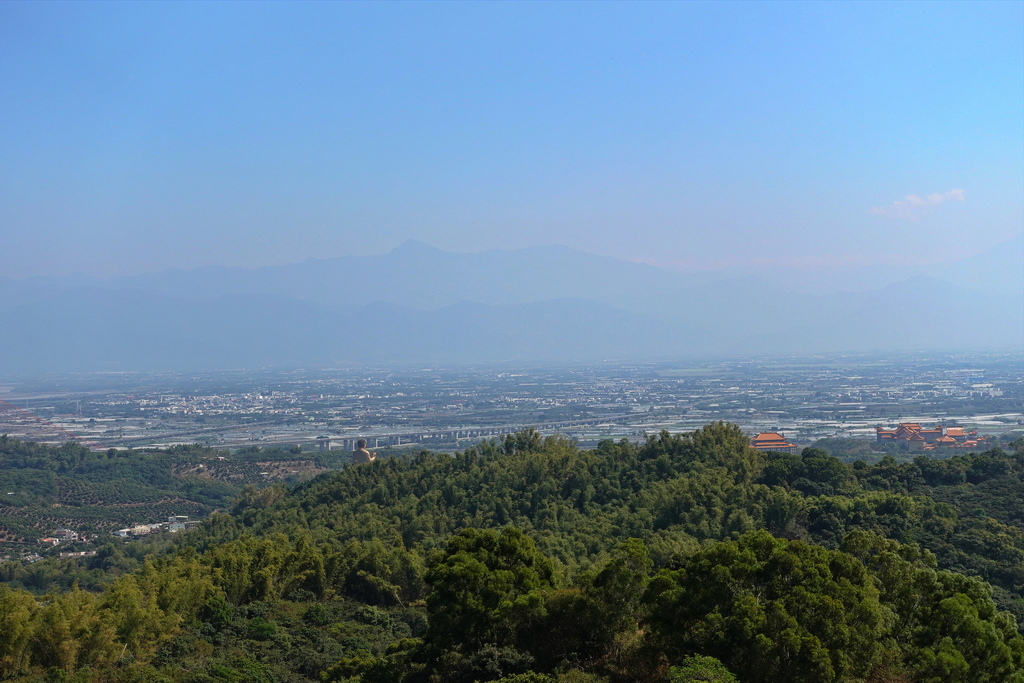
{"x": 421, "y": 304}
{"x": 49, "y": 487}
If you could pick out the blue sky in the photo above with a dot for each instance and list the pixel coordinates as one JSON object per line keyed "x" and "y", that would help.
{"x": 140, "y": 136}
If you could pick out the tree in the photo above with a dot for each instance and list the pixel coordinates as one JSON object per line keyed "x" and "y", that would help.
{"x": 17, "y": 609}
{"x": 770, "y": 610}
{"x": 943, "y": 625}
{"x": 475, "y": 582}
{"x": 698, "y": 668}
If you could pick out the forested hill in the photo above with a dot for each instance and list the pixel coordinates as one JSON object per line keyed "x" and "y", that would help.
{"x": 43, "y": 488}
{"x": 689, "y": 557}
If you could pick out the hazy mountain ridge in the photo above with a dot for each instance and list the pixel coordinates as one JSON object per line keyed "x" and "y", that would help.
{"x": 418, "y": 303}
{"x": 108, "y": 330}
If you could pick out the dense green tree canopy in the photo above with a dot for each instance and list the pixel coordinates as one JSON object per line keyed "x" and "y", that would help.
{"x": 770, "y": 610}
{"x": 683, "y": 558}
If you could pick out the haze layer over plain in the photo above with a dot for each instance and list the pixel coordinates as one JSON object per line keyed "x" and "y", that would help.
{"x": 542, "y": 304}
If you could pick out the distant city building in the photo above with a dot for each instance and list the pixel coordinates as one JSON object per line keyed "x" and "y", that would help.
{"x": 773, "y": 442}
{"x": 83, "y": 553}
{"x": 173, "y": 524}
{"x": 912, "y": 436}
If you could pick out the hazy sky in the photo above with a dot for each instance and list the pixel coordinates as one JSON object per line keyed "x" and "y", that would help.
{"x": 139, "y": 136}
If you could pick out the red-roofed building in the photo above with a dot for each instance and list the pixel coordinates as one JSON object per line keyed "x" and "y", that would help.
{"x": 774, "y": 442}
{"x": 911, "y": 436}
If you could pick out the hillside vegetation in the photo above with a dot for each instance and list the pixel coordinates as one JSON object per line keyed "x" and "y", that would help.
{"x": 46, "y": 487}
{"x": 686, "y": 558}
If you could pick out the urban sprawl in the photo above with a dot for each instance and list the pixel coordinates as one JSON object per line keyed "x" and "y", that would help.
{"x": 805, "y": 399}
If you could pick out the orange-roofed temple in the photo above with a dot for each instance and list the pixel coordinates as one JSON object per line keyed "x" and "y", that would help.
{"x": 772, "y": 441}
{"x": 912, "y": 436}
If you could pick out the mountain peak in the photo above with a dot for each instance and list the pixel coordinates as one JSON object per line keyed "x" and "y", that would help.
{"x": 411, "y": 246}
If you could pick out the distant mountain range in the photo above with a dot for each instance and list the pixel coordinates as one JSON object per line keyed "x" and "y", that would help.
{"x": 419, "y": 304}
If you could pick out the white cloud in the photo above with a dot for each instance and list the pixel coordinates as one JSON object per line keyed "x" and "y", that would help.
{"x": 912, "y": 206}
